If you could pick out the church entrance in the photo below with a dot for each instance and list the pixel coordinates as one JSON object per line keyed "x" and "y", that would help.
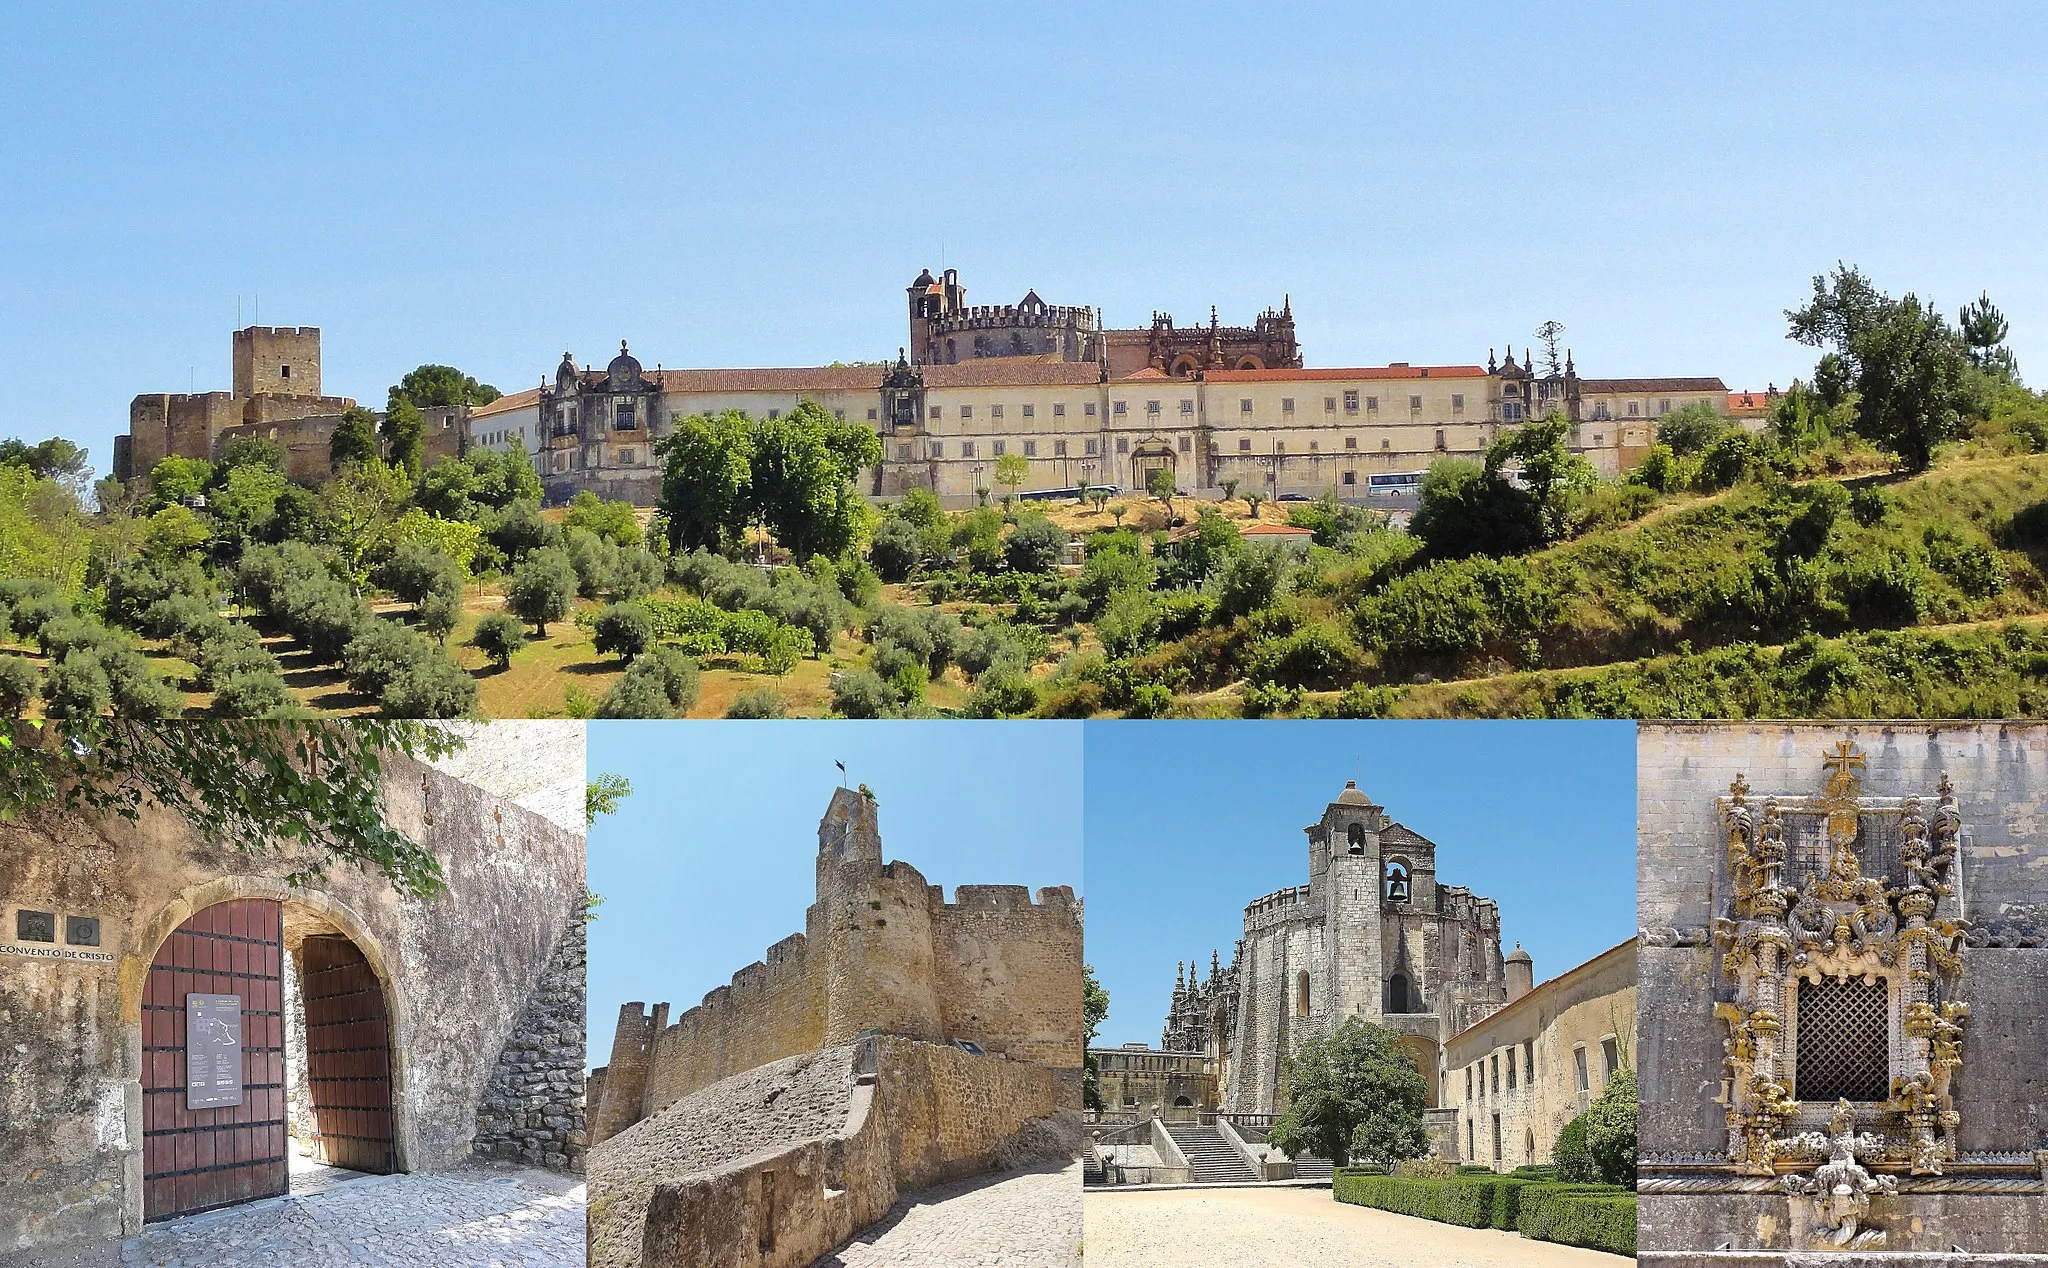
{"x": 219, "y": 1041}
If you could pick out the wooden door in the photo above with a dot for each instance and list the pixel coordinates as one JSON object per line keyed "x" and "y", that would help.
{"x": 199, "y": 1159}
{"x": 348, "y": 1055}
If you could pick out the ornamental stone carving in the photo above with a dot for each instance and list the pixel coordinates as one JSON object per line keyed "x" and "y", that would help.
{"x": 1844, "y": 905}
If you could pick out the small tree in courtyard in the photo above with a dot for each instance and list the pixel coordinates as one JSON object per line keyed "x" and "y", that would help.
{"x": 1094, "y": 1011}
{"x": 1161, "y": 486}
{"x": 1011, "y": 469}
{"x": 1229, "y": 488}
{"x": 1354, "y": 1093}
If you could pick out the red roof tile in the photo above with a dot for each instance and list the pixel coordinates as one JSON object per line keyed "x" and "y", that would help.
{"x": 1358, "y": 372}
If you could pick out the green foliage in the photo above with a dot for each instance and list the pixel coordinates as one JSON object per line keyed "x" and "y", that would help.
{"x": 380, "y": 652}
{"x": 1692, "y": 427}
{"x": 897, "y": 549}
{"x": 18, "y": 685}
{"x": 624, "y": 630}
{"x": 43, "y": 532}
{"x": 1314, "y": 656}
{"x": 58, "y": 460}
{"x": 1574, "y": 1160}
{"x": 1252, "y": 579}
{"x": 861, "y": 693}
{"x": 498, "y": 636}
{"x": 1904, "y": 362}
{"x": 1355, "y": 1089}
{"x": 635, "y": 696}
{"x": 354, "y": 438}
{"x": 1036, "y": 545}
{"x": 615, "y": 522}
{"x": 1597, "y": 1217}
{"x": 1464, "y": 510}
{"x": 1116, "y": 563}
{"x": 430, "y": 687}
{"x": 519, "y": 529}
{"x": 479, "y": 481}
{"x": 175, "y": 480}
{"x": 707, "y": 473}
{"x": 758, "y": 702}
{"x": 404, "y": 433}
{"x": 1451, "y": 608}
{"x": 431, "y": 385}
{"x": 252, "y": 693}
{"x": 1611, "y": 1130}
{"x": 801, "y": 479}
{"x": 542, "y": 588}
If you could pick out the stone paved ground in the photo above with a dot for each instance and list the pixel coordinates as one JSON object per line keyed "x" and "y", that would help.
{"x": 479, "y": 1216}
{"x": 1250, "y": 1228}
{"x": 1018, "y": 1219}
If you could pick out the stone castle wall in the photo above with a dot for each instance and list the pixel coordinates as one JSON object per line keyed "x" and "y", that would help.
{"x": 457, "y": 971}
{"x": 533, "y": 1107}
{"x": 1999, "y": 771}
{"x": 703, "y": 1182}
{"x": 882, "y": 951}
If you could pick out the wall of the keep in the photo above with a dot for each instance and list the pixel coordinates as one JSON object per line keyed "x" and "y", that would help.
{"x": 457, "y": 971}
{"x": 1007, "y": 972}
{"x": 533, "y": 1107}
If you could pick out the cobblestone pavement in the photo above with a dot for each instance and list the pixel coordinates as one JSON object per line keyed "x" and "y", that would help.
{"x": 477, "y": 1216}
{"x": 1249, "y": 1228}
{"x": 1019, "y": 1219}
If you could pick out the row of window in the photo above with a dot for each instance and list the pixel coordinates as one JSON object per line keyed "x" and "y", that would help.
{"x": 1490, "y": 1068}
{"x": 1153, "y": 408}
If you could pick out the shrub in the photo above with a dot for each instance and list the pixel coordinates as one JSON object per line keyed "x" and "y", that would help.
{"x": 1036, "y": 545}
{"x": 1574, "y": 1161}
{"x": 896, "y": 550}
{"x": 430, "y": 687}
{"x": 542, "y": 588}
{"x": 1313, "y": 656}
{"x": 1595, "y": 1216}
{"x": 137, "y": 691}
{"x": 1128, "y": 624}
{"x": 1470, "y": 1201}
{"x": 18, "y": 682}
{"x": 497, "y": 636}
{"x": 758, "y": 702}
{"x": 1003, "y": 692}
{"x": 71, "y": 633}
{"x": 1611, "y": 1130}
{"x": 231, "y": 648}
{"x": 139, "y": 584}
{"x": 861, "y": 693}
{"x": 1251, "y": 580}
{"x": 252, "y": 692}
{"x": 379, "y": 653}
{"x": 417, "y": 570}
{"x": 518, "y": 529}
{"x": 624, "y": 630}
{"x": 1149, "y": 700}
{"x": 76, "y": 687}
{"x": 439, "y": 614}
{"x": 635, "y": 696}
{"x": 675, "y": 673}
{"x": 930, "y": 634}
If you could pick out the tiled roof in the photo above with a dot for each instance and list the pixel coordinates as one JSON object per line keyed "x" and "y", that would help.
{"x": 508, "y": 402}
{"x": 1749, "y": 402}
{"x": 1358, "y": 372}
{"x": 824, "y": 378}
{"x": 1597, "y": 386}
{"x": 1260, "y": 529}
{"x": 1012, "y": 372}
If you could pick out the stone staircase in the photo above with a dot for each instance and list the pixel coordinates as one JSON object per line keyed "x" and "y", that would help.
{"x": 1310, "y": 1167}
{"x": 1212, "y": 1158}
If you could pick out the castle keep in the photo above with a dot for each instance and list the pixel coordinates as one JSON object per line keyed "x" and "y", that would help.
{"x": 911, "y": 1040}
{"x": 276, "y": 396}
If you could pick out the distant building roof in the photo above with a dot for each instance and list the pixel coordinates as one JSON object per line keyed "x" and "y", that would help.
{"x": 822, "y": 378}
{"x": 1357, "y": 372}
{"x": 507, "y": 403}
{"x": 1259, "y": 528}
{"x": 1596, "y": 386}
{"x": 1751, "y": 404}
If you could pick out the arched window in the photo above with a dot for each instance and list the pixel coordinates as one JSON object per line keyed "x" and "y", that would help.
{"x": 1397, "y": 994}
{"x": 1182, "y": 1102}
{"x": 1355, "y": 838}
{"x": 1301, "y": 993}
{"x": 1529, "y": 1146}
{"x": 1397, "y": 882}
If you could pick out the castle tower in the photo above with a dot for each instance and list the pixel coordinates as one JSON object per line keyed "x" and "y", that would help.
{"x": 1521, "y": 973}
{"x": 282, "y": 360}
{"x": 621, "y": 1102}
{"x": 874, "y": 921}
{"x": 931, "y": 300}
{"x": 1345, "y": 868}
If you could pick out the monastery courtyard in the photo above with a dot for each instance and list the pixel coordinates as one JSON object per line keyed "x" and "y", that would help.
{"x": 1197, "y": 1228}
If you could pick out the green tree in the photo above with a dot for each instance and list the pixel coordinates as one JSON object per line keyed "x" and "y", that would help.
{"x": 601, "y": 796}
{"x": 1035, "y": 545}
{"x": 1611, "y": 1130}
{"x": 497, "y": 636}
{"x": 259, "y": 787}
{"x": 1161, "y": 486}
{"x": 1353, "y": 1092}
{"x": 431, "y": 385}
{"x": 176, "y": 480}
{"x": 627, "y": 629}
{"x": 1692, "y": 427}
{"x": 803, "y": 470}
{"x": 1984, "y": 329}
{"x": 55, "y": 459}
{"x": 706, "y": 476}
{"x": 1012, "y": 469}
{"x": 1229, "y": 486}
{"x": 404, "y": 433}
{"x": 354, "y": 438}
{"x": 542, "y": 588}
{"x": 1094, "y": 1011}
{"x": 1905, "y": 363}
{"x": 615, "y": 522}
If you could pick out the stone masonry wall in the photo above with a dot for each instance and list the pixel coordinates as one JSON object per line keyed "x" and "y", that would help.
{"x": 533, "y": 1107}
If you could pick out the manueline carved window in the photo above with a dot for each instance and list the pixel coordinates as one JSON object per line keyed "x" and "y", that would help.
{"x": 1843, "y": 1047}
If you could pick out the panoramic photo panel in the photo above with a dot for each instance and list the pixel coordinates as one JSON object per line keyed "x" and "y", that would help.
{"x": 1842, "y": 991}
{"x": 875, "y": 1046}
{"x": 1363, "y": 990}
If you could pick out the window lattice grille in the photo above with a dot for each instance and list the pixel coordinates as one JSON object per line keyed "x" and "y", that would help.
{"x": 1842, "y": 1044}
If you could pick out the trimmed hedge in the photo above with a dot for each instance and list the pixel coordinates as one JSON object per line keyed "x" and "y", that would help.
{"x": 1599, "y": 1217}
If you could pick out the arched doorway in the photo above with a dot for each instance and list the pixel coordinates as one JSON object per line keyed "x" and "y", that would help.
{"x": 1397, "y": 994}
{"x": 219, "y": 1035}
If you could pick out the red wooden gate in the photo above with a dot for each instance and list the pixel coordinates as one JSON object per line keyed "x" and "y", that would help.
{"x": 348, "y": 1054}
{"x": 196, "y": 1160}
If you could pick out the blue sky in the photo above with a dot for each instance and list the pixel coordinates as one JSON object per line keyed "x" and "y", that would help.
{"x": 713, "y": 857}
{"x": 1188, "y": 822}
{"x": 755, "y": 184}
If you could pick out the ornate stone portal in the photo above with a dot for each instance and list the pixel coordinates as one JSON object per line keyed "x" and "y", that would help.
{"x": 1845, "y": 947}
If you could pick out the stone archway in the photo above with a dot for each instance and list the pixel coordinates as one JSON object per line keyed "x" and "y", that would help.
{"x": 235, "y": 936}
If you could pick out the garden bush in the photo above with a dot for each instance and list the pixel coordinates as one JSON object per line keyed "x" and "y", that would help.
{"x": 18, "y": 683}
{"x": 497, "y": 636}
{"x": 1601, "y": 1217}
{"x": 758, "y": 702}
{"x": 624, "y": 630}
